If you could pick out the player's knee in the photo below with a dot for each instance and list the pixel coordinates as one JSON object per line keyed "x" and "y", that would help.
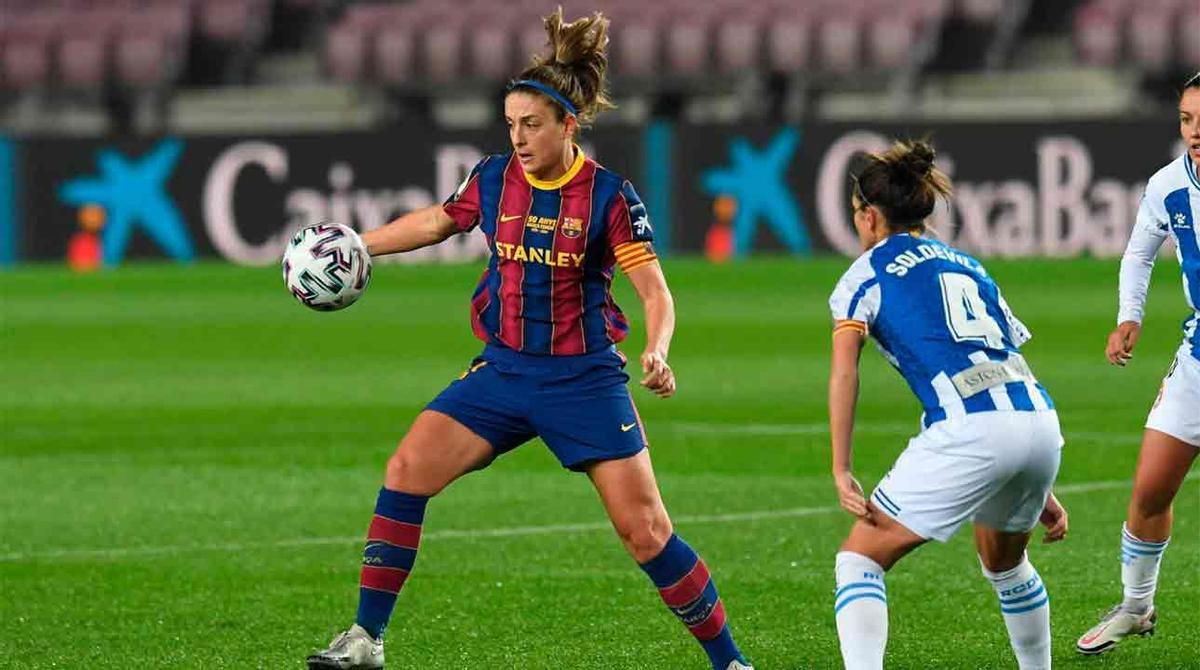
{"x": 645, "y": 536}
{"x": 999, "y": 561}
{"x": 1147, "y": 504}
{"x": 404, "y": 473}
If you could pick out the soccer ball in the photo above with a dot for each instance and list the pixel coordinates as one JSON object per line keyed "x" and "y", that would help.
{"x": 326, "y": 266}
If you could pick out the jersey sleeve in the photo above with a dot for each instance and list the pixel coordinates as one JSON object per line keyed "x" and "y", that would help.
{"x": 1149, "y": 232}
{"x": 1018, "y": 332}
{"x": 630, "y": 235}
{"x": 856, "y": 298}
{"x": 463, "y": 205}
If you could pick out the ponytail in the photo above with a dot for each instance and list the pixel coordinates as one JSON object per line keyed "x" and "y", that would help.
{"x": 575, "y": 66}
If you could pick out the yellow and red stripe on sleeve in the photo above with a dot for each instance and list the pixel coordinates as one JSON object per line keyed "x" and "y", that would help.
{"x": 633, "y": 255}
{"x": 846, "y": 325}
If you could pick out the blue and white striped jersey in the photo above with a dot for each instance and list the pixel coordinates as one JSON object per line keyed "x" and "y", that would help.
{"x": 1169, "y": 209}
{"x": 940, "y": 320}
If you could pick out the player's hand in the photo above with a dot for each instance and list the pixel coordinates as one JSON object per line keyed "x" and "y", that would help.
{"x": 658, "y": 376}
{"x": 1054, "y": 518}
{"x": 850, "y": 495}
{"x": 1122, "y": 341}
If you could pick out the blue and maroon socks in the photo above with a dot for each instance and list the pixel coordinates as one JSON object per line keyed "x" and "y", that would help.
{"x": 391, "y": 549}
{"x": 688, "y": 590}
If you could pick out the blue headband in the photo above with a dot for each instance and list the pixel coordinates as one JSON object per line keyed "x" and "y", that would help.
{"x": 554, "y": 95}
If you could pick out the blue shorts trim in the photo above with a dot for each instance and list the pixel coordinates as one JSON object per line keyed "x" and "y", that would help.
{"x": 580, "y": 406}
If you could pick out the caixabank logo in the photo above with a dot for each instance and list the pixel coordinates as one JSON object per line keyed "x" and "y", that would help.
{"x": 752, "y": 188}
{"x": 126, "y": 194}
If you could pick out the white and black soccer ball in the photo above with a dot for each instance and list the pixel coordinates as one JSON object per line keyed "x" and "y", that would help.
{"x": 326, "y": 267}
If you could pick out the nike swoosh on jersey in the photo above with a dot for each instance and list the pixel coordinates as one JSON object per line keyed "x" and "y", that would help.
{"x": 510, "y": 217}
{"x": 626, "y": 429}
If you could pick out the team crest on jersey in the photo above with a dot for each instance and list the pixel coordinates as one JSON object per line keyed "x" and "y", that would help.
{"x": 572, "y": 227}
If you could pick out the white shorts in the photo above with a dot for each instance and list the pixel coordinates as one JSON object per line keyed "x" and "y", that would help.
{"x": 994, "y": 468}
{"x": 1176, "y": 411}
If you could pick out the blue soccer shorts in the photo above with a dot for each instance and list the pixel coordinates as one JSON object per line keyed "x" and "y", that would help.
{"x": 579, "y": 405}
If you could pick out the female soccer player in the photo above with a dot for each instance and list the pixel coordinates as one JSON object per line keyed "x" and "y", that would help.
{"x": 1169, "y": 444}
{"x": 990, "y": 447}
{"x": 557, "y": 223}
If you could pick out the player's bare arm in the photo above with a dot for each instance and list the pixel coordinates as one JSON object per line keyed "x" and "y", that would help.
{"x": 651, "y": 287}
{"x": 414, "y": 230}
{"x": 848, "y": 341}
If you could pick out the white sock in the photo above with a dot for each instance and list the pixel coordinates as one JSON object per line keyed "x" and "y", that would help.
{"x": 1025, "y": 605}
{"x": 860, "y": 608}
{"x": 1139, "y": 570}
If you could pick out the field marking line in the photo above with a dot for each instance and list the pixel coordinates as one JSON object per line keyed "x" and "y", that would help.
{"x": 883, "y": 428}
{"x": 910, "y": 428}
{"x": 479, "y": 533}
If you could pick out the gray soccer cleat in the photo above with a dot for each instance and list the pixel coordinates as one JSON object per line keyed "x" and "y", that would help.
{"x": 354, "y": 649}
{"x": 1118, "y": 624}
{"x": 738, "y": 665}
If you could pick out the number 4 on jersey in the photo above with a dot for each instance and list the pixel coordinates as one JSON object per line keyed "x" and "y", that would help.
{"x": 966, "y": 312}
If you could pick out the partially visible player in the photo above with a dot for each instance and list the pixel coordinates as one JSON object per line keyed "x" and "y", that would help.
{"x": 1170, "y": 208}
{"x": 990, "y": 448}
{"x": 558, "y": 225}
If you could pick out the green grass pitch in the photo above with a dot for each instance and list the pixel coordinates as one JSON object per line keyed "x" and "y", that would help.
{"x": 190, "y": 460}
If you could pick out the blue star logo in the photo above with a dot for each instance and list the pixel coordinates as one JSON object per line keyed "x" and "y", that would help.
{"x": 133, "y": 194}
{"x": 757, "y": 180}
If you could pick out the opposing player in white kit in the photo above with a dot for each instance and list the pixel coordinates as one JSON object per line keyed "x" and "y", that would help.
{"x": 1170, "y": 207}
{"x": 990, "y": 445}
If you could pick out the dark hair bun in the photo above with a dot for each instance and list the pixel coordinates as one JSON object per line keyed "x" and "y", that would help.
{"x": 904, "y": 184}
{"x": 918, "y": 160}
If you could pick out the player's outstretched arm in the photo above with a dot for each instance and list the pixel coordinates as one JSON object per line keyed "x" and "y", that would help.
{"x": 419, "y": 228}
{"x": 1137, "y": 263}
{"x": 659, "y": 306}
{"x": 848, "y": 340}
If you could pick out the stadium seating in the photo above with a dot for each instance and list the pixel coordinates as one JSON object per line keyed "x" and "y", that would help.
{"x": 1152, "y": 35}
{"x": 431, "y": 42}
{"x": 87, "y": 44}
{"x": 73, "y": 46}
{"x": 674, "y": 38}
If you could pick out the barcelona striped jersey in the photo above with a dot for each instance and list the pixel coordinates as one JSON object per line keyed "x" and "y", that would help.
{"x": 939, "y": 318}
{"x": 554, "y": 246}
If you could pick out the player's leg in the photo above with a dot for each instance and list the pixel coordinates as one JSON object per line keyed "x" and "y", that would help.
{"x": 860, "y": 599}
{"x": 1163, "y": 463}
{"x": 631, "y": 497}
{"x": 435, "y": 451}
{"x": 589, "y": 421}
{"x": 1024, "y": 601}
{"x": 936, "y": 485}
{"x": 1169, "y": 447}
{"x": 461, "y": 430}
{"x": 1030, "y": 448}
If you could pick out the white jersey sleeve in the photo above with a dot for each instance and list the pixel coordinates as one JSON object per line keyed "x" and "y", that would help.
{"x": 1018, "y": 331}
{"x": 1149, "y": 232}
{"x": 856, "y": 296}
